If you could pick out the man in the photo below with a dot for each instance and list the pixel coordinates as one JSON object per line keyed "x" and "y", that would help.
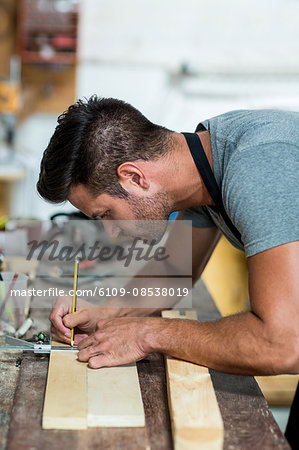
{"x": 238, "y": 174}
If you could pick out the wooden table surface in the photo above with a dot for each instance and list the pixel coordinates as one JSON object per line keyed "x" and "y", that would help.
{"x": 248, "y": 422}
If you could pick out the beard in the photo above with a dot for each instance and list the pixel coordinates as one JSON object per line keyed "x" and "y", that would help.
{"x": 150, "y": 217}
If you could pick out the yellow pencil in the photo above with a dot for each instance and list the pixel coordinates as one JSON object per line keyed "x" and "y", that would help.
{"x": 74, "y": 304}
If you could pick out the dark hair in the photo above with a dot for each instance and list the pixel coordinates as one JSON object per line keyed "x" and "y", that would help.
{"x": 92, "y": 138}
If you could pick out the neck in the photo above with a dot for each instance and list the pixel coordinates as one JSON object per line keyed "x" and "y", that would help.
{"x": 185, "y": 173}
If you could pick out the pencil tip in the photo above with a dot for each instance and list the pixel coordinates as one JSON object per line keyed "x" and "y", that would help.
{"x": 72, "y": 343}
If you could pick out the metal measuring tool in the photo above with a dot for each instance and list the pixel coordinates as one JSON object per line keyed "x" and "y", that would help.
{"x": 40, "y": 343}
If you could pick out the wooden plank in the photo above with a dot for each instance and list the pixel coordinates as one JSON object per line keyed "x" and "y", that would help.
{"x": 151, "y": 373}
{"x": 111, "y": 395}
{"x": 65, "y": 406}
{"x": 26, "y": 426}
{"x": 189, "y": 314}
{"x": 248, "y": 421}
{"x": 114, "y": 397}
{"x": 195, "y": 415}
{"x": 279, "y": 390}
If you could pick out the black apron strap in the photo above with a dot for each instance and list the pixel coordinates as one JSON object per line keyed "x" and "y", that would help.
{"x": 206, "y": 173}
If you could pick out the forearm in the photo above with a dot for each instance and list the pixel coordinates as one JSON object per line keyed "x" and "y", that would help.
{"x": 237, "y": 344}
{"x": 262, "y": 342}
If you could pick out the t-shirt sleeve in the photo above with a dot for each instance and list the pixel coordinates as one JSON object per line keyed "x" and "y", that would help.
{"x": 261, "y": 194}
{"x": 199, "y": 218}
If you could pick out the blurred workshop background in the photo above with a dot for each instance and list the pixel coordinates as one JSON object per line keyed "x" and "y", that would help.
{"x": 178, "y": 61}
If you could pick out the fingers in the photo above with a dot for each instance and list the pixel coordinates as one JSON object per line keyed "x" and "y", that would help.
{"x": 114, "y": 342}
{"x": 103, "y": 360}
{"x": 91, "y": 346}
{"x": 56, "y": 318}
{"x": 62, "y": 322}
{"x": 88, "y": 352}
{"x": 76, "y": 319}
{"x": 79, "y": 337}
{"x": 97, "y": 357}
{"x": 89, "y": 341}
{"x": 108, "y": 359}
{"x": 96, "y": 337}
{"x": 58, "y": 336}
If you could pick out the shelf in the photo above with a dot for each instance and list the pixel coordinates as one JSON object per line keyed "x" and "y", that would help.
{"x": 57, "y": 58}
{"x": 41, "y": 33}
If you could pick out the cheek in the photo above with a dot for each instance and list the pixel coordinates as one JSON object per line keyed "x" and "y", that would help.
{"x": 123, "y": 212}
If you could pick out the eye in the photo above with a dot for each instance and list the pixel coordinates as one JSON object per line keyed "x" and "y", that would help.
{"x": 106, "y": 214}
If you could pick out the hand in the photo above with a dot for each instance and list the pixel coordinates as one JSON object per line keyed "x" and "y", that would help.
{"x": 117, "y": 341}
{"x": 84, "y": 319}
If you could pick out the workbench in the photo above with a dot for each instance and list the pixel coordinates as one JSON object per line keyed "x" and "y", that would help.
{"x": 248, "y": 422}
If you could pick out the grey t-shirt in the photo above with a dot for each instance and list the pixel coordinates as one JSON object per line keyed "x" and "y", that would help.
{"x": 256, "y": 165}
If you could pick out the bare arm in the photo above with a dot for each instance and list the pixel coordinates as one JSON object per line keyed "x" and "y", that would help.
{"x": 263, "y": 341}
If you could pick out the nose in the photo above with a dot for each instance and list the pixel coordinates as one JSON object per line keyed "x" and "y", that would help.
{"x": 111, "y": 229}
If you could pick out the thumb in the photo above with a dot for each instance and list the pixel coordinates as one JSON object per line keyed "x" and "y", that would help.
{"x": 75, "y": 319}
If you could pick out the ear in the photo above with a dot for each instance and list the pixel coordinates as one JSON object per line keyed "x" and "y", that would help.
{"x": 132, "y": 177}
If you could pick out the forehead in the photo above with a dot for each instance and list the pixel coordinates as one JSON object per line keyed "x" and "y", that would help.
{"x": 81, "y": 199}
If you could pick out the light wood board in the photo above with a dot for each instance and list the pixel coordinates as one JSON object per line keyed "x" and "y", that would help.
{"x": 65, "y": 405}
{"x": 279, "y": 390}
{"x": 114, "y": 397}
{"x": 77, "y": 396}
{"x": 195, "y": 416}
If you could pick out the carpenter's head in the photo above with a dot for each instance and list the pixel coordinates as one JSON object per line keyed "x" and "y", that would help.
{"x": 101, "y": 158}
